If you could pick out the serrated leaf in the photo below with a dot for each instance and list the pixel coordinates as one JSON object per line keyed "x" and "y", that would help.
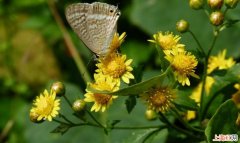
{"x": 62, "y": 128}
{"x": 231, "y": 76}
{"x": 223, "y": 121}
{"x": 130, "y": 103}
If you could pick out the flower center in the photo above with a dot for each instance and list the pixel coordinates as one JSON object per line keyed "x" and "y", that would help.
{"x": 102, "y": 99}
{"x": 184, "y": 64}
{"x": 116, "y": 67}
{"x": 158, "y": 99}
{"x": 45, "y": 106}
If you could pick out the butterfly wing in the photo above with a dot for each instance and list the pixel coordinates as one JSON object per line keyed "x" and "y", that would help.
{"x": 76, "y": 15}
{"x": 94, "y": 23}
{"x": 102, "y": 21}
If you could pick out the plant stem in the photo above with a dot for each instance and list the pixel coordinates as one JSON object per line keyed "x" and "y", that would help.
{"x": 185, "y": 123}
{"x": 176, "y": 127}
{"x": 69, "y": 43}
{"x": 208, "y": 104}
{"x": 67, "y": 100}
{"x": 150, "y": 134}
{"x": 198, "y": 43}
{"x": 66, "y": 119}
{"x": 205, "y": 74}
{"x": 95, "y": 119}
{"x": 60, "y": 122}
{"x": 121, "y": 127}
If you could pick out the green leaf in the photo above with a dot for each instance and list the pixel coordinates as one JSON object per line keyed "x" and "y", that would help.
{"x": 223, "y": 121}
{"x": 62, "y": 128}
{"x": 142, "y": 86}
{"x": 185, "y": 102}
{"x": 130, "y": 103}
{"x": 231, "y": 76}
{"x": 136, "y": 88}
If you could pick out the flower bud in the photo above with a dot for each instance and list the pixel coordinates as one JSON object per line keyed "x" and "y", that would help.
{"x": 215, "y": 4}
{"x": 182, "y": 26}
{"x": 33, "y": 117}
{"x": 231, "y": 3}
{"x": 59, "y": 88}
{"x": 196, "y": 4}
{"x": 150, "y": 114}
{"x": 216, "y": 18}
{"x": 78, "y": 105}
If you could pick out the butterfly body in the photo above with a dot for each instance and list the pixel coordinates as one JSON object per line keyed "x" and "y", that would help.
{"x": 95, "y": 24}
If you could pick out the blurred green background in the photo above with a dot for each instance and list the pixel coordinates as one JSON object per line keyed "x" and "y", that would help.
{"x": 33, "y": 54}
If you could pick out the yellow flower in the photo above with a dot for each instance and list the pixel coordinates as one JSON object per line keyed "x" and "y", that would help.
{"x": 46, "y": 106}
{"x": 116, "y": 66}
{"x": 116, "y": 42}
{"x": 167, "y": 41}
{"x": 196, "y": 95}
{"x": 219, "y": 62}
{"x": 159, "y": 99}
{"x": 101, "y": 101}
{"x": 183, "y": 64}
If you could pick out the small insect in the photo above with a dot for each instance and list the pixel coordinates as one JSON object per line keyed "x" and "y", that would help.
{"x": 95, "y": 24}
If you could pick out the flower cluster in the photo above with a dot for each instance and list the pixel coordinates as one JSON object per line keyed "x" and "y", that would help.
{"x": 110, "y": 69}
{"x": 182, "y": 62}
{"x": 46, "y": 106}
{"x": 215, "y": 62}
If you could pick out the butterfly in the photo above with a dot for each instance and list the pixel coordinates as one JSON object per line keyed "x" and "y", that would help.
{"x": 95, "y": 24}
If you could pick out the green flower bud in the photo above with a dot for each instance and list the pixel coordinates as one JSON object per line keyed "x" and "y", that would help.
{"x": 79, "y": 105}
{"x": 150, "y": 114}
{"x": 33, "y": 117}
{"x": 216, "y": 18}
{"x": 59, "y": 88}
{"x": 231, "y": 3}
{"x": 215, "y": 4}
{"x": 182, "y": 26}
{"x": 196, "y": 4}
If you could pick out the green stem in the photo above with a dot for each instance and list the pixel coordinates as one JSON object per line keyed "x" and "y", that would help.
{"x": 66, "y": 119}
{"x": 208, "y": 104}
{"x": 176, "y": 127}
{"x": 67, "y": 100}
{"x": 225, "y": 11}
{"x": 138, "y": 128}
{"x": 95, "y": 119}
{"x": 150, "y": 134}
{"x": 60, "y": 122}
{"x": 185, "y": 123}
{"x": 205, "y": 74}
{"x": 206, "y": 12}
{"x": 121, "y": 127}
{"x": 198, "y": 43}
